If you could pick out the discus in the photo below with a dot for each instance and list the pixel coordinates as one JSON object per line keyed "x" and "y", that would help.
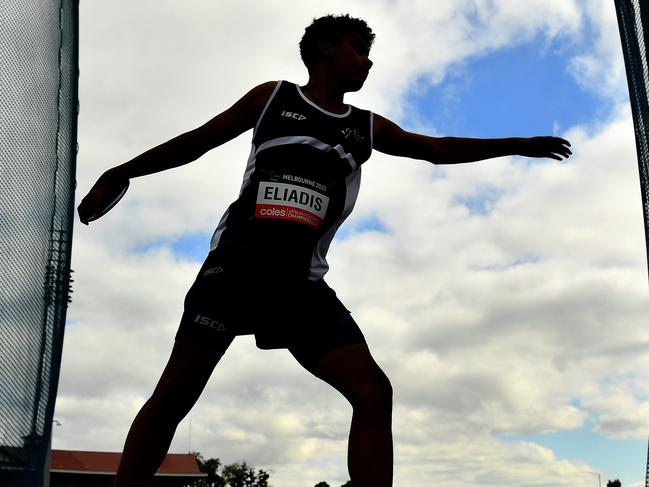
{"x": 105, "y": 204}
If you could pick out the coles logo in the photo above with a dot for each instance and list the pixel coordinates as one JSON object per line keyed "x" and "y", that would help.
{"x": 290, "y": 202}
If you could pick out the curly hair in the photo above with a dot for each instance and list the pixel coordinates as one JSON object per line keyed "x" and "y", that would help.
{"x": 330, "y": 28}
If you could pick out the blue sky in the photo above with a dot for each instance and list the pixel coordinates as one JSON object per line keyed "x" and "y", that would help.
{"x": 624, "y": 459}
{"x": 523, "y": 91}
{"x": 518, "y": 91}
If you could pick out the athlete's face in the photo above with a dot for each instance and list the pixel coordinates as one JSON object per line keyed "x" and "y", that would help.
{"x": 351, "y": 61}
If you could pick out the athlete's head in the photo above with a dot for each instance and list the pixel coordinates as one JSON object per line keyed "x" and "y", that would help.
{"x": 340, "y": 35}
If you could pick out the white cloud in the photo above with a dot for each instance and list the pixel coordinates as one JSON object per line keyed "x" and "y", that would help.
{"x": 510, "y": 321}
{"x": 602, "y": 68}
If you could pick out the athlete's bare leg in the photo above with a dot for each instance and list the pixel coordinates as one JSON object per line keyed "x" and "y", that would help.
{"x": 181, "y": 383}
{"x": 353, "y": 372}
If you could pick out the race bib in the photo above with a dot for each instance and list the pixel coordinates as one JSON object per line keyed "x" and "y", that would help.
{"x": 290, "y": 202}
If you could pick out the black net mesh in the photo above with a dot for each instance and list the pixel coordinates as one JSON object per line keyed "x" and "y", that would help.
{"x": 38, "y": 115}
{"x": 633, "y": 21}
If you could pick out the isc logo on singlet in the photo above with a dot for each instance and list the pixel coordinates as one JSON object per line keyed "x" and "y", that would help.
{"x": 296, "y": 116}
{"x": 291, "y": 202}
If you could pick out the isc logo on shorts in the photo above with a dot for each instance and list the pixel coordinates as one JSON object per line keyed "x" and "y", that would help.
{"x": 212, "y": 271}
{"x": 290, "y": 202}
{"x": 209, "y": 322}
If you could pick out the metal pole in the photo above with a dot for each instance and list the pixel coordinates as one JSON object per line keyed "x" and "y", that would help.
{"x": 599, "y": 476}
{"x": 646, "y": 477}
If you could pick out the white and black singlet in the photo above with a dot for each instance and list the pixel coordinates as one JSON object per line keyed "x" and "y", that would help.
{"x": 300, "y": 183}
{"x": 264, "y": 272}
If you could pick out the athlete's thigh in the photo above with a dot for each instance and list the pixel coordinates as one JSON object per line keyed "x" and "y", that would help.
{"x": 189, "y": 368}
{"x": 341, "y": 357}
{"x": 353, "y": 372}
{"x": 313, "y": 339}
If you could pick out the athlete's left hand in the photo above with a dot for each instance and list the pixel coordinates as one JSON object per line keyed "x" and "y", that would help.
{"x": 545, "y": 146}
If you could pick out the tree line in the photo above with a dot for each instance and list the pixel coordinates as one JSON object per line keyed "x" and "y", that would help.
{"x": 236, "y": 475}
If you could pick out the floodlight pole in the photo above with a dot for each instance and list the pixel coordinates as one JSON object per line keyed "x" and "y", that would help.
{"x": 599, "y": 476}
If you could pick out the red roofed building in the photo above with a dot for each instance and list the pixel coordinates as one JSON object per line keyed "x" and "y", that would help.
{"x": 97, "y": 469}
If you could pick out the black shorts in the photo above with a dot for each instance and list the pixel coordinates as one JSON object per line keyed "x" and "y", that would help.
{"x": 232, "y": 297}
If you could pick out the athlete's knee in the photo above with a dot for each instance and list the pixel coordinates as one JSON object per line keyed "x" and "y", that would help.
{"x": 373, "y": 396}
{"x": 169, "y": 407}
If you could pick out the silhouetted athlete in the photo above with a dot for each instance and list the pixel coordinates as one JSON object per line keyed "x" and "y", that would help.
{"x": 264, "y": 273}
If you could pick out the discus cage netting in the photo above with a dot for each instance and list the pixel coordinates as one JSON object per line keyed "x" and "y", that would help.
{"x": 38, "y": 117}
{"x": 633, "y": 22}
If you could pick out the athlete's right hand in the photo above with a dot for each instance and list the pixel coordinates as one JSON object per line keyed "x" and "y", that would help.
{"x": 93, "y": 205}
{"x": 545, "y": 146}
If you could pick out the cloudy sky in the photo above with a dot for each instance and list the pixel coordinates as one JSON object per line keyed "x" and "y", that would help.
{"x": 504, "y": 299}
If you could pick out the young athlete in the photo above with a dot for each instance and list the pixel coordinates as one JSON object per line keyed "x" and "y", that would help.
{"x": 300, "y": 183}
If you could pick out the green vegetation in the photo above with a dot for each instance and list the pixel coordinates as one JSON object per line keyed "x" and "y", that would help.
{"x": 236, "y": 475}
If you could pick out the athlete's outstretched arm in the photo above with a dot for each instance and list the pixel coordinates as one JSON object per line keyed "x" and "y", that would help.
{"x": 191, "y": 145}
{"x": 183, "y": 149}
{"x": 392, "y": 139}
